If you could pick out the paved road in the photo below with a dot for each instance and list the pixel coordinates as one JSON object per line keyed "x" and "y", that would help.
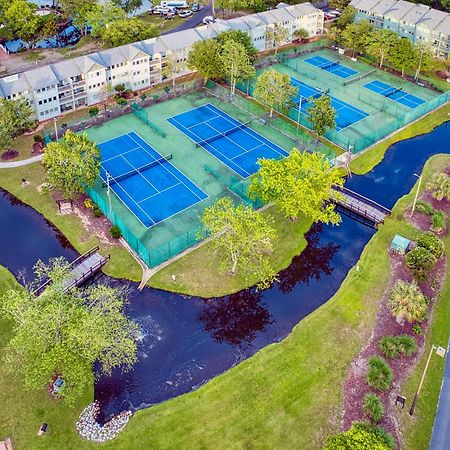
{"x": 193, "y": 21}
{"x": 440, "y": 439}
{"x": 23, "y": 162}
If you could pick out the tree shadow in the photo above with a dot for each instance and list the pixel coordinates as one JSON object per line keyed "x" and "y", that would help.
{"x": 314, "y": 261}
{"x": 236, "y": 319}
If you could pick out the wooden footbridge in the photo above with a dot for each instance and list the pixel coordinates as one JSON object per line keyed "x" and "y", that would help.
{"x": 80, "y": 270}
{"x": 360, "y": 207}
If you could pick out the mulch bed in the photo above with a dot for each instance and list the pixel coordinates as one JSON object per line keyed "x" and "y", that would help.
{"x": 9, "y": 154}
{"x": 355, "y": 386}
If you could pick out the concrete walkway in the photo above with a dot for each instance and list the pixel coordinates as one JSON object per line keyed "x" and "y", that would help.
{"x": 440, "y": 439}
{"x": 23, "y": 162}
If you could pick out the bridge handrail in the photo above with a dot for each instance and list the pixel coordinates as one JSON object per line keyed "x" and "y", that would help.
{"x": 88, "y": 273}
{"x": 366, "y": 200}
{"x": 365, "y": 212}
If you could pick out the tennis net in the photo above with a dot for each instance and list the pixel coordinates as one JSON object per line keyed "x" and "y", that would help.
{"x": 316, "y": 95}
{"x": 113, "y": 180}
{"x": 330, "y": 64}
{"x": 222, "y": 135}
{"x": 392, "y": 92}
{"x": 359, "y": 77}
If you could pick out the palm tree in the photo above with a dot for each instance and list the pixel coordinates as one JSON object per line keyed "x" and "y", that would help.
{"x": 407, "y": 302}
{"x": 440, "y": 186}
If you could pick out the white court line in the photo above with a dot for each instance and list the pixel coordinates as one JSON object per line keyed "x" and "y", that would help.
{"x": 165, "y": 168}
{"x": 160, "y": 192}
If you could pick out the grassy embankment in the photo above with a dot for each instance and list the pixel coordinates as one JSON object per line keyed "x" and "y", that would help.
{"x": 287, "y": 396}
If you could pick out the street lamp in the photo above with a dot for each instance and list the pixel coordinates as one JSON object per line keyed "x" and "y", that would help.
{"x": 439, "y": 351}
{"x": 56, "y": 129}
{"x": 417, "y": 194}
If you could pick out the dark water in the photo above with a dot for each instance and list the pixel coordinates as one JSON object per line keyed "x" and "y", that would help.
{"x": 188, "y": 341}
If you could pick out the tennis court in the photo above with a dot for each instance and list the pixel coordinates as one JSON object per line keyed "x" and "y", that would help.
{"x": 334, "y": 67}
{"x": 229, "y": 140}
{"x": 346, "y": 114}
{"x": 146, "y": 182}
{"x": 396, "y": 94}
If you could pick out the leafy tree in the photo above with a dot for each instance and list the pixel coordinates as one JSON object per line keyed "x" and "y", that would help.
{"x": 420, "y": 261}
{"x": 243, "y": 238}
{"x": 241, "y": 37}
{"x": 301, "y": 34}
{"x": 379, "y": 375}
{"x": 402, "y": 55}
{"x": 65, "y": 333}
{"x": 423, "y": 58}
{"x": 301, "y": 183}
{"x": 373, "y": 407}
{"x": 440, "y": 186}
{"x": 101, "y": 16}
{"x": 171, "y": 68}
{"x": 204, "y": 57}
{"x": 127, "y": 30}
{"x": 48, "y": 27}
{"x": 346, "y": 18}
{"x": 278, "y": 35}
{"x": 236, "y": 63}
{"x": 79, "y": 11}
{"x": 432, "y": 243}
{"x": 339, "y": 4}
{"x": 229, "y": 6}
{"x": 22, "y": 21}
{"x": 72, "y": 164}
{"x": 274, "y": 89}
{"x": 406, "y": 301}
{"x": 380, "y": 43}
{"x": 128, "y": 6}
{"x": 355, "y": 35}
{"x": 15, "y": 118}
{"x": 361, "y": 436}
{"x": 322, "y": 115}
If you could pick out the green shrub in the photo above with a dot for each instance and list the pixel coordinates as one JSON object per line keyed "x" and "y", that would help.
{"x": 93, "y": 111}
{"x": 121, "y": 102}
{"x": 38, "y": 138}
{"x": 407, "y": 301}
{"x": 115, "y": 232}
{"x": 96, "y": 211}
{"x": 420, "y": 261}
{"x": 143, "y": 96}
{"x": 417, "y": 329}
{"x": 432, "y": 243}
{"x": 438, "y": 220}
{"x": 395, "y": 346}
{"x": 119, "y": 88}
{"x": 373, "y": 407}
{"x": 379, "y": 375}
{"x": 361, "y": 436}
{"x": 425, "y": 208}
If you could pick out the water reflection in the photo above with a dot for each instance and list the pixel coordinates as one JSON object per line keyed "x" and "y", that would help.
{"x": 314, "y": 261}
{"x": 237, "y": 318}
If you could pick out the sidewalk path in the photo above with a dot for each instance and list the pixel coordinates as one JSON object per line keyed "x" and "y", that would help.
{"x": 23, "y": 162}
{"x": 440, "y": 439}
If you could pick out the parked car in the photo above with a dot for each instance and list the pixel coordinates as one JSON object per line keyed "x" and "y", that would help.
{"x": 170, "y": 16}
{"x": 175, "y": 4}
{"x": 163, "y": 10}
{"x": 195, "y": 7}
{"x": 208, "y": 19}
{"x": 185, "y": 13}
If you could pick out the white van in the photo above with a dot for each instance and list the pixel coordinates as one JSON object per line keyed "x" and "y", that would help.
{"x": 174, "y": 4}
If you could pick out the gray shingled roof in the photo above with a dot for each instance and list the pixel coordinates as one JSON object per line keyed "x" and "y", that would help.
{"x": 414, "y": 15}
{"x": 180, "y": 40}
{"x": 432, "y": 19}
{"x": 41, "y": 77}
{"x": 381, "y": 8}
{"x": 282, "y": 15}
{"x": 14, "y": 84}
{"x": 112, "y": 56}
{"x": 444, "y": 26}
{"x": 238, "y": 24}
{"x": 66, "y": 69}
{"x": 399, "y": 9}
{"x": 267, "y": 17}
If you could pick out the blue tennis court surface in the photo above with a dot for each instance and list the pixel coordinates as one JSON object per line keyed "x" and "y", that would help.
{"x": 346, "y": 114}
{"x": 230, "y": 141}
{"x": 147, "y": 183}
{"x": 396, "y": 94}
{"x": 333, "y": 67}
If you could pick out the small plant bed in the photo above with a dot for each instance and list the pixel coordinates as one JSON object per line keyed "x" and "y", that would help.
{"x": 9, "y": 155}
{"x": 397, "y": 341}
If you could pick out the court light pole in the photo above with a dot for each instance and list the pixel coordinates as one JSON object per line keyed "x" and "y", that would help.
{"x": 417, "y": 194}
{"x": 299, "y": 112}
{"x": 56, "y": 129}
{"x": 108, "y": 193}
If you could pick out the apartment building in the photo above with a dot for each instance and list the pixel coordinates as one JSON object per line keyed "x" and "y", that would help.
{"x": 87, "y": 80}
{"x": 416, "y": 22}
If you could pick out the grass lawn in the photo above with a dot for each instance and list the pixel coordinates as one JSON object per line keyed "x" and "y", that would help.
{"x": 121, "y": 265}
{"x": 373, "y": 156}
{"x": 289, "y": 395}
{"x": 198, "y": 272}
